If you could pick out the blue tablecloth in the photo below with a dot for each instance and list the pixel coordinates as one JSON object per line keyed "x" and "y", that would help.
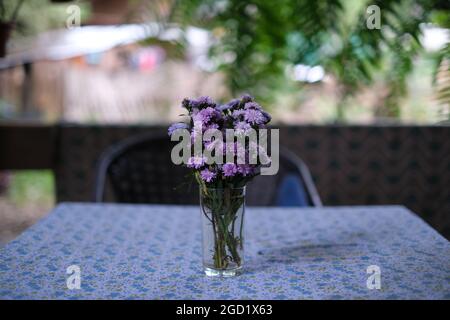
{"x": 154, "y": 252}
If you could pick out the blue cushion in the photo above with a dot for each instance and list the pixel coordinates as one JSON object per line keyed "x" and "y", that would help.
{"x": 292, "y": 193}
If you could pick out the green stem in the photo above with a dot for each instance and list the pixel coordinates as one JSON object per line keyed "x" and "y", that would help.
{"x": 224, "y": 207}
{"x": 241, "y": 229}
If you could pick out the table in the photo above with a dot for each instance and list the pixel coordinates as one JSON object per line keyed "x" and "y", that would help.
{"x": 154, "y": 252}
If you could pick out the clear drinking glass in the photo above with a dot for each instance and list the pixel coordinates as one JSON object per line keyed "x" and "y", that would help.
{"x": 223, "y": 230}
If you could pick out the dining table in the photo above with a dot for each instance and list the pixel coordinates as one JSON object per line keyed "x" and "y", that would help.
{"x": 125, "y": 251}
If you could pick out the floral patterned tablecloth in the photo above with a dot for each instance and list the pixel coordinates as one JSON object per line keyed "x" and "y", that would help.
{"x": 154, "y": 252}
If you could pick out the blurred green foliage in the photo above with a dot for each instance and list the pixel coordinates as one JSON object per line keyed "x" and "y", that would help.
{"x": 9, "y": 10}
{"x": 35, "y": 16}
{"x": 32, "y": 187}
{"x": 255, "y": 41}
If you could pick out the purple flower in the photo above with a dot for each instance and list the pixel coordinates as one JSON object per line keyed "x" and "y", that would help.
{"x": 186, "y": 103}
{"x": 193, "y": 105}
{"x": 245, "y": 169}
{"x": 223, "y": 107}
{"x": 212, "y": 126}
{"x": 242, "y": 127}
{"x": 252, "y": 105}
{"x": 176, "y": 126}
{"x": 238, "y": 113}
{"x": 202, "y": 102}
{"x": 196, "y": 162}
{"x": 267, "y": 115}
{"x": 194, "y": 111}
{"x": 207, "y": 175}
{"x": 253, "y": 116}
{"x": 206, "y": 115}
{"x": 230, "y": 105}
{"x": 229, "y": 169}
{"x": 246, "y": 98}
{"x": 199, "y": 119}
{"x": 242, "y": 115}
{"x": 206, "y": 100}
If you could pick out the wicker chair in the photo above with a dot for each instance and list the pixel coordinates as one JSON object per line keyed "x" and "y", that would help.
{"x": 140, "y": 170}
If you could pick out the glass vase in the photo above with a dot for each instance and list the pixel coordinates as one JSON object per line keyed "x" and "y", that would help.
{"x": 223, "y": 230}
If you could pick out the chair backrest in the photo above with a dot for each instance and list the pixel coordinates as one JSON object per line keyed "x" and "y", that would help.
{"x": 265, "y": 190}
{"x": 140, "y": 170}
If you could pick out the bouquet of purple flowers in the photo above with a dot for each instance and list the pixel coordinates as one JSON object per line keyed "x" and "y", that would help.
{"x": 226, "y": 155}
{"x": 241, "y": 115}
